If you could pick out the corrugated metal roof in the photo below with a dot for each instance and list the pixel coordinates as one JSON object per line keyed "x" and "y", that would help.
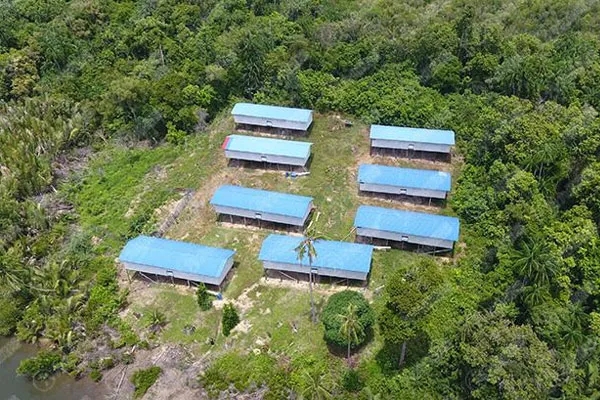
{"x": 262, "y": 201}
{"x": 420, "y": 135}
{"x": 404, "y": 177}
{"x": 260, "y": 145}
{"x": 342, "y": 256}
{"x": 272, "y": 112}
{"x": 408, "y": 222}
{"x": 175, "y": 255}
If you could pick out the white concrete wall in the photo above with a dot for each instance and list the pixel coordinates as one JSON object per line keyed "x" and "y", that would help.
{"x": 396, "y": 144}
{"x": 148, "y": 269}
{"x": 399, "y": 237}
{"x": 277, "y": 123}
{"x": 282, "y": 219}
{"x": 242, "y": 155}
{"x": 434, "y": 194}
{"x": 305, "y": 269}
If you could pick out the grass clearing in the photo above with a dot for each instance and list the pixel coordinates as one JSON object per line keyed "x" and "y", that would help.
{"x": 124, "y": 187}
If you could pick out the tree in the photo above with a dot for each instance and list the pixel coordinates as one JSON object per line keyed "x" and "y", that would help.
{"x": 306, "y": 249}
{"x": 351, "y": 328}
{"x": 203, "y": 298}
{"x": 501, "y": 360}
{"x": 230, "y": 319}
{"x": 409, "y": 295}
{"x": 348, "y": 319}
{"x": 534, "y": 261}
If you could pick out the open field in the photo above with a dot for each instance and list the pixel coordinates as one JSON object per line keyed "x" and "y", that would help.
{"x": 275, "y": 314}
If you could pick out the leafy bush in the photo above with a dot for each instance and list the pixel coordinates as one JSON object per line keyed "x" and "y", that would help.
{"x": 95, "y": 375}
{"x": 143, "y": 379}
{"x": 352, "y": 381}
{"x": 259, "y": 370}
{"x": 9, "y": 314}
{"x": 230, "y": 319}
{"x": 336, "y": 306}
{"x": 156, "y": 320}
{"x": 40, "y": 367}
{"x": 204, "y": 299}
{"x": 105, "y": 298}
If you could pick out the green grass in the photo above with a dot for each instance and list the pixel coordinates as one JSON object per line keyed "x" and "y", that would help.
{"x": 123, "y": 187}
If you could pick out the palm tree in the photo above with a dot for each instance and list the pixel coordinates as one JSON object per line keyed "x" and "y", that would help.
{"x": 534, "y": 262}
{"x": 306, "y": 248}
{"x": 351, "y": 326}
{"x": 317, "y": 386}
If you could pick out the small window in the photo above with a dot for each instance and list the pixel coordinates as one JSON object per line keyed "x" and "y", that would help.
{"x": 404, "y": 239}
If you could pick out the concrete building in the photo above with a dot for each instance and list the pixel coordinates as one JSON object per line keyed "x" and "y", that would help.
{"x": 411, "y": 139}
{"x": 407, "y": 226}
{"x": 260, "y": 149}
{"x": 404, "y": 181}
{"x": 181, "y": 260}
{"x": 296, "y": 119}
{"x": 262, "y": 205}
{"x": 335, "y": 259}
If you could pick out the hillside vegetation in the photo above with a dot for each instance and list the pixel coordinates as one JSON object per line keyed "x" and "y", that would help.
{"x": 108, "y": 109}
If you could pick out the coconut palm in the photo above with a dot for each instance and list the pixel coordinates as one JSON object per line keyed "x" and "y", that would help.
{"x": 535, "y": 262}
{"x": 316, "y": 386}
{"x": 306, "y": 248}
{"x": 351, "y": 328}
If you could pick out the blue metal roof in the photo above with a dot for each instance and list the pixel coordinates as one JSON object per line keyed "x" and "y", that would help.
{"x": 408, "y": 222}
{"x": 272, "y": 112}
{"x": 404, "y": 177}
{"x": 262, "y": 201}
{"x": 260, "y": 145}
{"x": 419, "y": 135}
{"x": 330, "y": 254}
{"x": 175, "y": 255}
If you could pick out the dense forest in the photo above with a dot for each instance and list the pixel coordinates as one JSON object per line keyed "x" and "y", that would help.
{"x": 518, "y": 81}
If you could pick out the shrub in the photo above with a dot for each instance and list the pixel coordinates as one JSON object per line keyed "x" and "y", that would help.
{"x": 230, "y": 319}
{"x": 40, "y": 367}
{"x": 143, "y": 379}
{"x": 106, "y": 363}
{"x": 96, "y": 375}
{"x": 204, "y": 299}
{"x": 9, "y": 314}
{"x": 352, "y": 381}
{"x": 156, "y": 320}
{"x": 337, "y": 305}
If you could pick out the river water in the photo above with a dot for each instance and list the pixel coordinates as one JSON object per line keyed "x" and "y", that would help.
{"x": 14, "y": 387}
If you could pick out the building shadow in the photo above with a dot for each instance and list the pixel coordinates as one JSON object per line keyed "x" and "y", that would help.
{"x": 415, "y": 200}
{"x": 274, "y": 131}
{"x": 412, "y": 247}
{"x": 412, "y": 154}
{"x": 268, "y": 166}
